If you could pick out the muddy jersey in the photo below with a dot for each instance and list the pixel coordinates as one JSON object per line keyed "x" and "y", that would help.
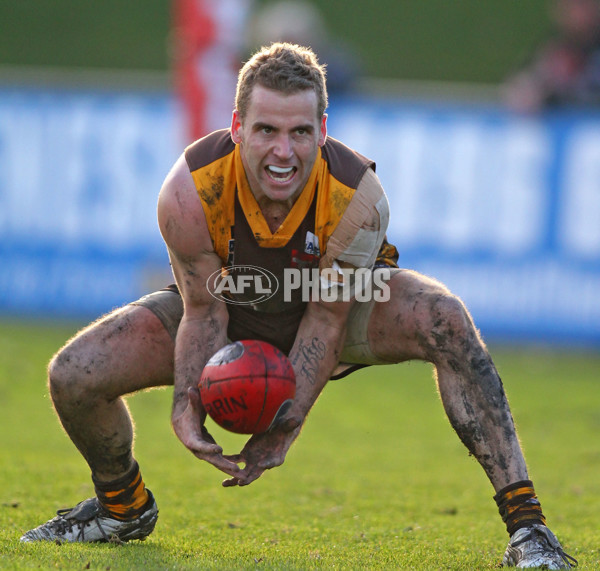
{"x": 265, "y": 308}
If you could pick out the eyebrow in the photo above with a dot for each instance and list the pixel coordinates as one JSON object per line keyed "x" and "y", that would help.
{"x": 261, "y": 125}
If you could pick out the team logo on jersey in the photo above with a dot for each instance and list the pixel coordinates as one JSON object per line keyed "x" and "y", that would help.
{"x": 311, "y": 245}
{"x": 311, "y": 255}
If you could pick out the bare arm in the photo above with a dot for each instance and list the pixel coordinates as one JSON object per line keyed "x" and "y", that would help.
{"x": 203, "y": 328}
{"x": 316, "y": 352}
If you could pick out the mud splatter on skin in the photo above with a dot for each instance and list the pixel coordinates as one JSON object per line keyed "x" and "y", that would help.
{"x": 479, "y": 414}
{"x": 84, "y": 398}
{"x": 107, "y": 455}
{"x": 434, "y": 326}
{"x": 180, "y": 201}
{"x": 123, "y": 324}
{"x": 75, "y": 364}
{"x": 110, "y": 453}
{"x": 171, "y": 225}
{"x": 205, "y": 344}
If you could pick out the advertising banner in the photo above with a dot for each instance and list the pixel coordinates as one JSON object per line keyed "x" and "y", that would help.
{"x": 504, "y": 209}
{"x": 79, "y": 179}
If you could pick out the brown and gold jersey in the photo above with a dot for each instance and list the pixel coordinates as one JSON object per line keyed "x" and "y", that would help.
{"x": 329, "y": 222}
{"x": 219, "y": 176}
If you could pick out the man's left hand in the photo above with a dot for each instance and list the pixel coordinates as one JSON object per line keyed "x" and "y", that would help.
{"x": 264, "y": 451}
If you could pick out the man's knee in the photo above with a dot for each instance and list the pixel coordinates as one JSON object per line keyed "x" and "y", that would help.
{"x": 449, "y": 325}
{"x": 422, "y": 320}
{"x": 122, "y": 352}
{"x": 75, "y": 372}
{"x": 64, "y": 379}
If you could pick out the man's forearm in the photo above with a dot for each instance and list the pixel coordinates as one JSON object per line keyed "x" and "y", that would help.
{"x": 197, "y": 341}
{"x": 315, "y": 354}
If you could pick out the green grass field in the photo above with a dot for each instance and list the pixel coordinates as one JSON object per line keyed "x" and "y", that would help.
{"x": 377, "y": 479}
{"x": 432, "y": 40}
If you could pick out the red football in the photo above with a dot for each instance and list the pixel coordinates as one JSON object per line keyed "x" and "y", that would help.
{"x": 246, "y": 385}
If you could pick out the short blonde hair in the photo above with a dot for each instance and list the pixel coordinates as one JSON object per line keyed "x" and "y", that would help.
{"x": 284, "y": 67}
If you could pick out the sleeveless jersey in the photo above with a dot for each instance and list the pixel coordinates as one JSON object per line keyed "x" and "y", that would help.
{"x": 245, "y": 244}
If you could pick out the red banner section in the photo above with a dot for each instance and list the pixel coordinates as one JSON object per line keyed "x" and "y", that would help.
{"x": 209, "y": 44}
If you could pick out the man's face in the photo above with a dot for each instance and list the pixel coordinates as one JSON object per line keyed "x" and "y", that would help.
{"x": 279, "y": 140}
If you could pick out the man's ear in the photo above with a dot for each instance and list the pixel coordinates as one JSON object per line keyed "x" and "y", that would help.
{"x": 236, "y": 125}
{"x": 323, "y": 132}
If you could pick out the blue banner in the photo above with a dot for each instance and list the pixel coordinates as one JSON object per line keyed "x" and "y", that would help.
{"x": 79, "y": 179}
{"x": 504, "y": 209}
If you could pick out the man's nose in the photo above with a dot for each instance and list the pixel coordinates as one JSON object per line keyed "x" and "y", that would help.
{"x": 283, "y": 147}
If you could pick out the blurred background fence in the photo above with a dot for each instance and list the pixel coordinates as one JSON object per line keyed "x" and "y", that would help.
{"x": 97, "y": 100}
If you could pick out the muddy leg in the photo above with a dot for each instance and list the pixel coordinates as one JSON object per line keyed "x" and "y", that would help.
{"x": 124, "y": 352}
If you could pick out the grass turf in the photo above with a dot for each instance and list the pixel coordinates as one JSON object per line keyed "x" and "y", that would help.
{"x": 377, "y": 479}
{"x": 469, "y": 41}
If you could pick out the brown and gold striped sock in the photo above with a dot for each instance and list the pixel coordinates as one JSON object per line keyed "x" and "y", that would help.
{"x": 519, "y": 507}
{"x": 124, "y": 498}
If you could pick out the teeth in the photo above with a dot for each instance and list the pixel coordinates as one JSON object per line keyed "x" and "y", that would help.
{"x": 280, "y": 170}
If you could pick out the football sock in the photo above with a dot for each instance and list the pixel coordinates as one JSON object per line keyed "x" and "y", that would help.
{"x": 124, "y": 498}
{"x": 519, "y": 507}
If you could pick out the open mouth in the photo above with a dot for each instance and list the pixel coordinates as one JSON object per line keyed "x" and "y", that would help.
{"x": 280, "y": 174}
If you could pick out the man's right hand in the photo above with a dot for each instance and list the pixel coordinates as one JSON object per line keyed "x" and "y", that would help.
{"x": 189, "y": 428}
